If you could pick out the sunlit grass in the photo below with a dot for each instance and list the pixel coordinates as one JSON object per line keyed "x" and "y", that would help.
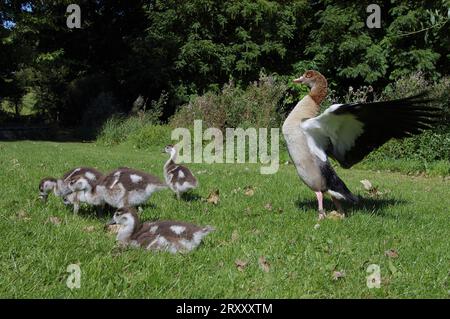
{"x": 410, "y": 216}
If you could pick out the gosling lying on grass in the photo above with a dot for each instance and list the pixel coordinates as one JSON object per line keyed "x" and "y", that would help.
{"x": 60, "y": 187}
{"x": 171, "y": 236}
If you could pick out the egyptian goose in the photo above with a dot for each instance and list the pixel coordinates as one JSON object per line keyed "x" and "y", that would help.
{"x": 345, "y": 132}
{"x": 122, "y": 187}
{"x": 60, "y": 187}
{"x": 172, "y": 236}
{"x": 179, "y": 178}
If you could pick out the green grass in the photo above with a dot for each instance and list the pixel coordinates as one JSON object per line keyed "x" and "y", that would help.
{"x": 411, "y": 216}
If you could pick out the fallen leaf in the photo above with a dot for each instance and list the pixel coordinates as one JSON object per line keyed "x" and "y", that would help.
{"x": 22, "y": 215}
{"x": 234, "y": 235}
{"x": 334, "y": 215}
{"x": 265, "y": 266}
{"x": 213, "y": 197}
{"x": 338, "y": 274}
{"x": 89, "y": 229}
{"x": 240, "y": 264}
{"x": 367, "y": 184}
{"x": 249, "y": 191}
{"x": 373, "y": 191}
{"x": 113, "y": 229}
{"x": 268, "y": 206}
{"x": 391, "y": 253}
{"x": 54, "y": 220}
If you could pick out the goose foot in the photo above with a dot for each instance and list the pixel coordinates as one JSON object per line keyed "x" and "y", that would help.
{"x": 322, "y": 214}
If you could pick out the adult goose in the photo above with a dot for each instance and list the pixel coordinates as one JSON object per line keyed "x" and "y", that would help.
{"x": 347, "y": 133}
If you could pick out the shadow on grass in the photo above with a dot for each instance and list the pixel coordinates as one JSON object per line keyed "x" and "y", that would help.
{"x": 366, "y": 205}
{"x": 190, "y": 197}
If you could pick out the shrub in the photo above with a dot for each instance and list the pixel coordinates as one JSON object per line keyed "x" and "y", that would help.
{"x": 150, "y": 136}
{"x": 118, "y": 128}
{"x": 255, "y": 106}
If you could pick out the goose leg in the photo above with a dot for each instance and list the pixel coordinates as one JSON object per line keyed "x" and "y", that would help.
{"x": 319, "y": 196}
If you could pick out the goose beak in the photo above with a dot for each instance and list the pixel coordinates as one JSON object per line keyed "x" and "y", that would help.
{"x": 299, "y": 80}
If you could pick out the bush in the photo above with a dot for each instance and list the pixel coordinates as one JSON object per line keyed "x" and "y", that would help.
{"x": 150, "y": 136}
{"x": 256, "y": 106}
{"x": 118, "y": 128}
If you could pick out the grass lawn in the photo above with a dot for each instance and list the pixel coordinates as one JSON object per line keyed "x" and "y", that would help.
{"x": 411, "y": 216}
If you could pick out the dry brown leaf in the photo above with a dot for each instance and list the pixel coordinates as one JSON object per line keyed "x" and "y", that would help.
{"x": 367, "y": 184}
{"x": 22, "y": 215}
{"x": 234, "y": 236}
{"x": 334, "y": 215}
{"x": 373, "y": 191}
{"x": 249, "y": 191}
{"x": 113, "y": 229}
{"x": 89, "y": 229}
{"x": 54, "y": 220}
{"x": 268, "y": 206}
{"x": 240, "y": 264}
{"x": 338, "y": 274}
{"x": 265, "y": 266}
{"x": 213, "y": 197}
{"x": 391, "y": 253}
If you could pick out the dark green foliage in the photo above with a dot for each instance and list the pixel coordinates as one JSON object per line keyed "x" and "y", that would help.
{"x": 142, "y": 48}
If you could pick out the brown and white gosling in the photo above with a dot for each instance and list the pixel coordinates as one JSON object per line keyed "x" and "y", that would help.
{"x": 122, "y": 187}
{"x": 60, "y": 187}
{"x": 166, "y": 235}
{"x": 179, "y": 178}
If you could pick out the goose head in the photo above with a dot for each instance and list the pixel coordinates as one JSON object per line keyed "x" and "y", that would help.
{"x": 311, "y": 78}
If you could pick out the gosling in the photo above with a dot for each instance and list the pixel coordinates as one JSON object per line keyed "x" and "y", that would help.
{"x": 179, "y": 178}
{"x": 120, "y": 188}
{"x": 171, "y": 236}
{"x": 60, "y": 187}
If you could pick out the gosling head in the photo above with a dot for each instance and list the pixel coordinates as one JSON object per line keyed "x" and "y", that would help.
{"x": 171, "y": 150}
{"x": 125, "y": 216}
{"x": 46, "y": 185}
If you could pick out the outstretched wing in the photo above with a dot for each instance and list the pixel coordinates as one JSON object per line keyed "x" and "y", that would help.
{"x": 349, "y": 132}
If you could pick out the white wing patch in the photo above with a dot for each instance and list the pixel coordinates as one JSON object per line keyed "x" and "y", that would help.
{"x": 341, "y": 130}
{"x": 90, "y": 176}
{"x": 135, "y": 178}
{"x": 177, "y": 229}
{"x": 181, "y": 174}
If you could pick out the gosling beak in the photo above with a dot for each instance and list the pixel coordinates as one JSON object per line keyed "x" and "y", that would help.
{"x": 299, "y": 80}
{"x": 111, "y": 222}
